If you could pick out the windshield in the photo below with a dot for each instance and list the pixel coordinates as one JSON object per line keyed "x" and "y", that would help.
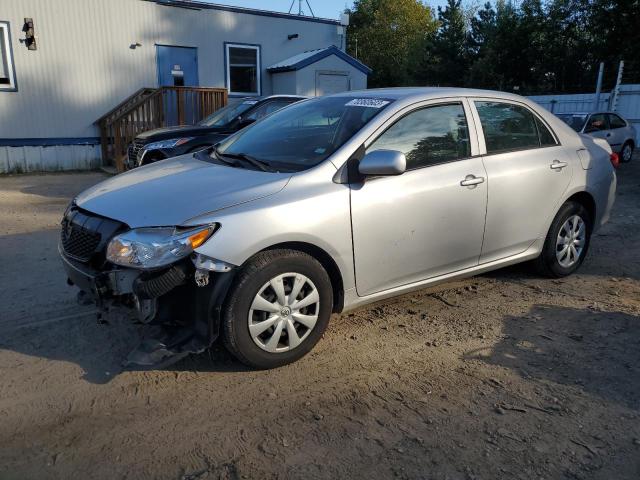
{"x": 227, "y": 114}
{"x": 575, "y": 121}
{"x": 304, "y": 134}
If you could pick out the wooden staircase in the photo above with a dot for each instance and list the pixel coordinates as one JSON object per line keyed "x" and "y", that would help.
{"x": 150, "y": 108}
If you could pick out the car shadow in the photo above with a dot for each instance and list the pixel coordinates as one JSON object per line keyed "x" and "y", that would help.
{"x": 595, "y": 351}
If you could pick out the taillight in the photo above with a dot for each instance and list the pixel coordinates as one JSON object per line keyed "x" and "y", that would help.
{"x": 615, "y": 160}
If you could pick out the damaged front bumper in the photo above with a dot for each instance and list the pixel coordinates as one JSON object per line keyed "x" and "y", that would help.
{"x": 180, "y": 304}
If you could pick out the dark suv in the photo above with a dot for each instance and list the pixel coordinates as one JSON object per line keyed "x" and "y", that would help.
{"x": 168, "y": 142}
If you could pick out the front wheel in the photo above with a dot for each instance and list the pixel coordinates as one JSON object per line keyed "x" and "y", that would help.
{"x": 567, "y": 241}
{"x": 278, "y": 308}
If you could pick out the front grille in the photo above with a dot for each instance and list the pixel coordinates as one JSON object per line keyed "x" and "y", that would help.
{"x": 78, "y": 242}
{"x": 133, "y": 151}
{"x": 84, "y": 236}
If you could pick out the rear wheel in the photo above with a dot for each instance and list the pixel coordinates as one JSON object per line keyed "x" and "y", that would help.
{"x": 627, "y": 152}
{"x": 567, "y": 241}
{"x": 278, "y": 308}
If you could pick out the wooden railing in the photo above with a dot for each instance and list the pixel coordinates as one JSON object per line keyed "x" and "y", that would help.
{"x": 151, "y": 108}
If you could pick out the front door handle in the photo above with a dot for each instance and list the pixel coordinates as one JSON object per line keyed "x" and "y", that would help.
{"x": 471, "y": 180}
{"x": 558, "y": 165}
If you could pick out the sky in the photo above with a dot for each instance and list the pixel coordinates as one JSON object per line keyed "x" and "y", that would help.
{"x": 321, "y": 8}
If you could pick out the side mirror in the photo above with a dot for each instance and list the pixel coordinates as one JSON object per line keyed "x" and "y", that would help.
{"x": 383, "y": 162}
{"x": 244, "y": 122}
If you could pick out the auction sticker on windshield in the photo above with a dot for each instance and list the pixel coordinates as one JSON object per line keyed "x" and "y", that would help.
{"x": 367, "y": 102}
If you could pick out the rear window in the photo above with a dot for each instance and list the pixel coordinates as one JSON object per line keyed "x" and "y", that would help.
{"x": 574, "y": 121}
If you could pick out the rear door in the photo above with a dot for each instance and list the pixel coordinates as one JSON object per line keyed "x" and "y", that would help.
{"x": 618, "y": 131}
{"x": 428, "y": 221}
{"x": 528, "y": 172}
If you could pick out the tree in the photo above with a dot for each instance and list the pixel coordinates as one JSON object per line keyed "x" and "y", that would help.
{"x": 449, "y": 60}
{"x": 391, "y": 37}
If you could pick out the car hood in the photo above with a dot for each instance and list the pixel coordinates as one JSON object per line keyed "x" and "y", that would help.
{"x": 176, "y": 132}
{"x": 173, "y": 191}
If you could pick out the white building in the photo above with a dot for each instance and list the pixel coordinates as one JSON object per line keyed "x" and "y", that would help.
{"x": 87, "y": 56}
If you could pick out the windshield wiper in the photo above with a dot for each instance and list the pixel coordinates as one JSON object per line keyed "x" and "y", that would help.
{"x": 214, "y": 154}
{"x": 259, "y": 164}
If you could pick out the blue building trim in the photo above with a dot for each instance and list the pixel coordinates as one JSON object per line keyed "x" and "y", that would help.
{"x": 332, "y": 50}
{"x": 48, "y": 142}
{"x": 195, "y": 5}
{"x": 226, "y": 69}
{"x": 7, "y": 24}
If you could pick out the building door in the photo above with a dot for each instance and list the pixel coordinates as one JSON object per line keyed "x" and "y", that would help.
{"x": 178, "y": 67}
{"x": 331, "y": 82}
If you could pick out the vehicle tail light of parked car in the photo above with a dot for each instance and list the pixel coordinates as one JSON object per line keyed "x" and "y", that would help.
{"x": 615, "y": 159}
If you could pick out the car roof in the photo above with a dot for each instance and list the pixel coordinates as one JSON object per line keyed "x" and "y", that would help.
{"x": 398, "y": 93}
{"x": 589, "y": 113}
{"x": 269, "y": 97}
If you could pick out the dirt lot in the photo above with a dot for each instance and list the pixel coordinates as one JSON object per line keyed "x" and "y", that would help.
{"x": 506, "y": 375}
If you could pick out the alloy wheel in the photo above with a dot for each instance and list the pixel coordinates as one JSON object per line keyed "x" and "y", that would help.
{"x": 571, "y": 241}
{"x": 626, "y": 153}
{"x": 284, "y": 312}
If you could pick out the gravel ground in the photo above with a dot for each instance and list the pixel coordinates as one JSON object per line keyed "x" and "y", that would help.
{"x": 506, "y": 375}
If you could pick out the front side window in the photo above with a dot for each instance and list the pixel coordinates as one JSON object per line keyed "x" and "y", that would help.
{"x": 616, "y": 122}
{"x": 267, "y": 108}
{"x": 227, "y": 114}
{"x": 428, "y": 136}
{"x": 596, "y": 123}
{"x": 243, "y": 69}
{"x": 7, "y": 73}
{"x": 305, "y": 133}
{"x": 507, "y": 127}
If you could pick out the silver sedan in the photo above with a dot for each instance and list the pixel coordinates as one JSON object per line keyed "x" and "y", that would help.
{"x": 330, "y": 204}
{"x": 610, "y": 126}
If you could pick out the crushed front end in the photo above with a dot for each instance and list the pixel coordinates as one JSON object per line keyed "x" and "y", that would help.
{"x": 177, "y": 294}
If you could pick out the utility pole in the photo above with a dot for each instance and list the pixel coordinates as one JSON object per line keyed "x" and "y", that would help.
{"x": 616, "y": 90}
{"x": 300, "y": 11}
{"x": 596, "y": 103}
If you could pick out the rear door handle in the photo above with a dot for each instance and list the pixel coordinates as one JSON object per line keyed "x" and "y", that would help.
{"x": 558, "y": 165}
{"x": 471, "y": 180}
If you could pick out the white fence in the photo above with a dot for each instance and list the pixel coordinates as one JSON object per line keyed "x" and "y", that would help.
{"x": 628, "y": 104}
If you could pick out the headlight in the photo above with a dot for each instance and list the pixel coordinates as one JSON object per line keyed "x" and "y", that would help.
{"x": 171, "y": 143}
{"x": 155, "y": 247}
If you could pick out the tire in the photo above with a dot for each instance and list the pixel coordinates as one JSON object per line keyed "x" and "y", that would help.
{"x": 548, "y": 263}
{"x": 626, "y": 153}
{"x": 243, "y": 310}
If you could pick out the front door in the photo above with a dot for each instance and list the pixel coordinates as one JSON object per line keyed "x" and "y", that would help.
{"x": 178, "y": 67}
{"x": 528, "y": 172}
{"x": 430, "y": 220}
{"x": 598, "y": 126}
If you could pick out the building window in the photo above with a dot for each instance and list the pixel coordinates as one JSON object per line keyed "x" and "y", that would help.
{"x": 7, "y": 73}
{"x": 243, "y": 69}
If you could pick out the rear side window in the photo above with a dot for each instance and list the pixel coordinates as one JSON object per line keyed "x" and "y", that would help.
{"x": 546, "y": 137}
{"x": 428, "y": 136}
{"x": 509, "y": 127}
{"x": 616, "y": 122}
